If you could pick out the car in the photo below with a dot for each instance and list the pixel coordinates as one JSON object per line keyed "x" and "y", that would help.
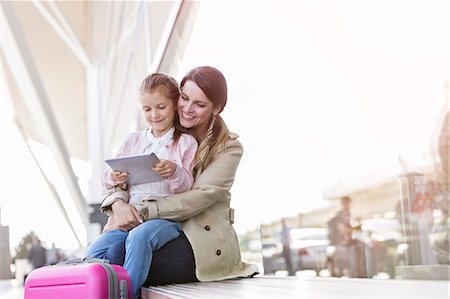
{"x": 272, "y": 255}
{"x": 382, "y": 238}
{"x": 307, "y": 247}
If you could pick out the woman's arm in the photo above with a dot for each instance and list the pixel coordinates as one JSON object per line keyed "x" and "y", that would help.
{"x": 211, "y": 185}
{"x": 112, "y": 195}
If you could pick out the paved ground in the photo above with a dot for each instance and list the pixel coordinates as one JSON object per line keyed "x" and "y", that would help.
{"x": 10, "y": 289}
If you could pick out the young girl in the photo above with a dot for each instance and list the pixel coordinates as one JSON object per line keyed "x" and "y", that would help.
{"x": 176, "y": 151}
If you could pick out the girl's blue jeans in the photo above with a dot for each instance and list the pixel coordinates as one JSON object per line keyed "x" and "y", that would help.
{"x": 140, "y": 242}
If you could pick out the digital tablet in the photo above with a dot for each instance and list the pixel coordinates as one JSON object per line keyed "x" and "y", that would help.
{"x": 138, "y": 167}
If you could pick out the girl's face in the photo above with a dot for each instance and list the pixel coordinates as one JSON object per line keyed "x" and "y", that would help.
{"x": 159, "y": 112}
{"x": 194, "y": 108}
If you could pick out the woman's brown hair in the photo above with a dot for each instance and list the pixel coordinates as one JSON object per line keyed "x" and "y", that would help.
{"x": 212, "y": 82}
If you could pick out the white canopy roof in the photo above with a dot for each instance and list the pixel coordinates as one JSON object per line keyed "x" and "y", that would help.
{"x": 72, "y": 69}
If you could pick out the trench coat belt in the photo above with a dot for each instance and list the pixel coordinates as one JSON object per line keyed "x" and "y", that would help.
{"x": 231, "y": 215}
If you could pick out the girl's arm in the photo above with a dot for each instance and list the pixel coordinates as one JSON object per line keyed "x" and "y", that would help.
{"x": 107, "y": 178}
{"x": 110, "y": 187}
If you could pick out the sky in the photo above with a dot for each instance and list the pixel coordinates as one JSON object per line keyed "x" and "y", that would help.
{"x": 323, "y": 92}
{"x": 320, "y": 92}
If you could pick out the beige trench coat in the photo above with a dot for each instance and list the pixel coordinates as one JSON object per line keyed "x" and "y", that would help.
{"x": 206, "y": 216}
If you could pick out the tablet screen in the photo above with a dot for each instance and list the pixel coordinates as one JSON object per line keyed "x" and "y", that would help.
{"x": 138, "y": 167}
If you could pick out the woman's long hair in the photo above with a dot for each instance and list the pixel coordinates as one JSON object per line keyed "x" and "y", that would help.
{"x": 212, "y": 82}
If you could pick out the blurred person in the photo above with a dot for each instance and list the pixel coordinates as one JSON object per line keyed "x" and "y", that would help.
{"x": 37, "y": 254}
{"x": 53, "y": 255}
{"x": 159, "y": 94}
{"x": 286, "y": 241}
{"x": 208, "y": 247}
{"x": 338, "y": 231}
{"x": 348, "y": 252}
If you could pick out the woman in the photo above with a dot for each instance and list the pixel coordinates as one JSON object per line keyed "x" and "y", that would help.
{"x": 208, "y": 250}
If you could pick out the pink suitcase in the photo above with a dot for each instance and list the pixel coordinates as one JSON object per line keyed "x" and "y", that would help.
{"x": 85, "y": 278}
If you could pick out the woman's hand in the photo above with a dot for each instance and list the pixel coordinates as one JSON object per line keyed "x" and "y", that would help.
{"x": 125, "y": 216}
{"x": 165, "y": 168}
{"x": 119, "y": 177}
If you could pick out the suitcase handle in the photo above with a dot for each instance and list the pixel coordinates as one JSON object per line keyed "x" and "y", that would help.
{"x": 84, "y": 260}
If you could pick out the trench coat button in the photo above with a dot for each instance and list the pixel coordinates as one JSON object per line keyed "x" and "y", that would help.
{"x": 218, "y": 252}
{"x": 207, "y": 227}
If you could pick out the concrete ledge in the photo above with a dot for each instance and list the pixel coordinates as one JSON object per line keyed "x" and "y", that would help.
{"x": 296, "y": 287}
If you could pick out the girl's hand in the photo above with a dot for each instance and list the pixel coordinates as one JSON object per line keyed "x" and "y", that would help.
{"x": 165, "y": 168}
{"x": 119, "y": 177}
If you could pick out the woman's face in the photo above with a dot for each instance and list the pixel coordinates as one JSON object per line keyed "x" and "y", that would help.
{"x": 194, "y": 108}
{"x": 159, "y": 112}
